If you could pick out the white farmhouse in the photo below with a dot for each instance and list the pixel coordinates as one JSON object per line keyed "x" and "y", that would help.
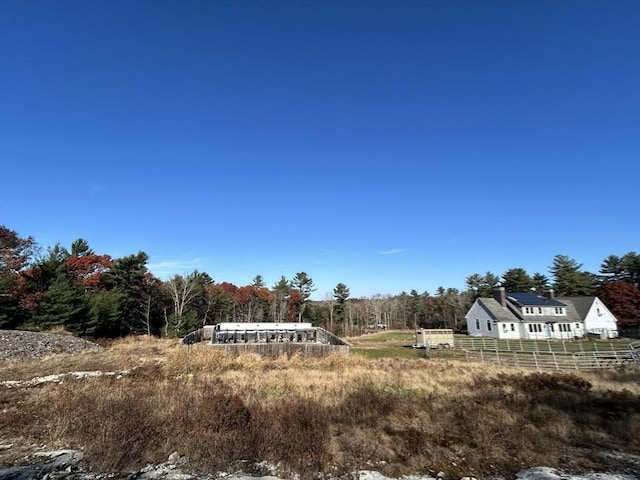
{"x": 532, "y": 316}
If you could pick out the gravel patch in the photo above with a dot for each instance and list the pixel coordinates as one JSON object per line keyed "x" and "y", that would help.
{"x": 23, "y": 345}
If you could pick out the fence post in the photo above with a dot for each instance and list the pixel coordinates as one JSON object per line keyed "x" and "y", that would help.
{"x": 515, "y": 359}
{"x": 482, "y": 356}
{"x": 575, "y": 361}
{"x": 564, "y": 346}
{"x": 555, "y": 360}
{"x": 535, "y": 359}
{"x": 549, "y": 346}
{"x": 521, "y": 349}
{"x": 497, "y": 355}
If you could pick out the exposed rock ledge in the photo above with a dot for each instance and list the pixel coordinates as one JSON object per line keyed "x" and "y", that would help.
{"x": 66, "y": 465}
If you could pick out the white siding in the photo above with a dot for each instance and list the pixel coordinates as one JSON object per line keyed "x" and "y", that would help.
{"x": 478, "y": 322}
{"x": 599, "y": 318}
{"x": 509, "y": 330}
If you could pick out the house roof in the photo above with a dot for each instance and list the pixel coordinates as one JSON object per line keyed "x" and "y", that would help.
{"x": 582, "y": 305}
{"x": 510, "y": 313}
{"x": 532, "y": 299}
{"x": 497, "y": 311}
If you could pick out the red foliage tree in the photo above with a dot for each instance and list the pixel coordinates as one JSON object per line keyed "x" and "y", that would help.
{"x": 26, "y": 290}
{"x": 623, "y": 299}
{"x": 226, "y": 287}
{"x": 294, "y": 303}
{"x": 243, "y": 295}
{"x": 89, "y": 269}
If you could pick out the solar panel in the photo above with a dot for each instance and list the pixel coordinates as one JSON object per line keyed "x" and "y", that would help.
{"x": 532, "y": 299}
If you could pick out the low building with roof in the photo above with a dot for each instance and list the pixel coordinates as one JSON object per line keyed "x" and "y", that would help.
{"x": 539, "y": 317}
{"x": 269, "y": 339}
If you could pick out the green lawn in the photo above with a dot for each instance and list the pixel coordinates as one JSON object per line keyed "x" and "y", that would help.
{"x": 395, "y": 344}
{"x": 382, "y": 337}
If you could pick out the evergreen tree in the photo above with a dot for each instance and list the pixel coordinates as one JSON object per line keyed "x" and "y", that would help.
{"x": 517, "y": 280}
{"x": 481, "y": 285}
{"x": 305, "y": 287}
{"x": 569, "y": 280}
{"x": 631, "y": 268}
{"x": 105, "y": 314}
{"x": 64, "y": 304}
{"x": 540, "y": 282}
{"x": 417, "y": 308}
{"x": 341, "y": 294}
{"x": 126, "y": 277}
{"x": 281, "y": 291}
{"x": 80, "y": 248}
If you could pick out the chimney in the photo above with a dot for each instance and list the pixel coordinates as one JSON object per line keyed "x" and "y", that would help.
{"x": 548, "y": 294}
{"x": 500, "y": 295}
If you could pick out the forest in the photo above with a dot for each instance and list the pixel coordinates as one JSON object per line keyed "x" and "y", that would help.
{"x": 94, "y": 295}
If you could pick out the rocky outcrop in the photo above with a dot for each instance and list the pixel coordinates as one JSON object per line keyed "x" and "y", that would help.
{"x": 23, "y": 345}
{"x": 67, "y": 465}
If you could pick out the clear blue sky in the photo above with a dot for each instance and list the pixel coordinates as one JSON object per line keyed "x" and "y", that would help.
{"x": 387, "y": 145}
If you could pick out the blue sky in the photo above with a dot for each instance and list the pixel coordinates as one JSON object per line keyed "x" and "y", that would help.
{"x": 387, "y": 145}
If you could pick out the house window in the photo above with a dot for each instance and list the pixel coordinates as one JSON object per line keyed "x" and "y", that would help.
{"x": 577, "y": 326}
{"x": 513, "y": 327}
{"x": 528, "y": 310}
{"x": 535, "y": 328}
{"x": 489, "y": 325}
{"x": 559, "y": 311}
{"x": 477, "y": 324}
{"x": 551, "y": 327}
{"x": 540, "y": 310}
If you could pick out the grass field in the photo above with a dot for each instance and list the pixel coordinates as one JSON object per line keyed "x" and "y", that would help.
{"x": 373, "y": 409}
{"x": 385, "y": 345}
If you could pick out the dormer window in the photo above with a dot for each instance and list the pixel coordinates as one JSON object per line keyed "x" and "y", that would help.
{"x": 559, "y": 311}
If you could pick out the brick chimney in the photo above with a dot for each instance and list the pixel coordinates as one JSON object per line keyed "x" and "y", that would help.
{"x": 548, "y": 294}
{"x": 500, "y": 295}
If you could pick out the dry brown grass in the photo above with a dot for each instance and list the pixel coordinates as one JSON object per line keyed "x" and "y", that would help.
{"x": 332, "y": 414}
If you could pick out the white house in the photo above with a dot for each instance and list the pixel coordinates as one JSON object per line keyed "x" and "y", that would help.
{"x": 532, "y": 316}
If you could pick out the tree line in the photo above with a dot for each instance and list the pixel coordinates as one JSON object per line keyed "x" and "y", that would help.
{"x": 95, "y": 295}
